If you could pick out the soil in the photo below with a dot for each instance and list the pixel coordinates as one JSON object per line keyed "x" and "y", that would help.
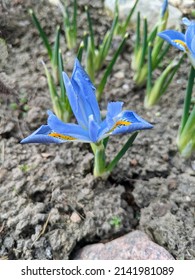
{"x": 50, "y": 203}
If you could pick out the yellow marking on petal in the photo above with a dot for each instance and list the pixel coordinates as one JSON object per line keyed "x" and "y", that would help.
{"x": 61, "y": 136}
{"x": 181, "y": 43}
{"x": 120, "y": 123}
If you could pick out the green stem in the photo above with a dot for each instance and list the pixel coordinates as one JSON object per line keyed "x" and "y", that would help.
{"x": 187, "y": 100}
{"x": 99, "y": 160}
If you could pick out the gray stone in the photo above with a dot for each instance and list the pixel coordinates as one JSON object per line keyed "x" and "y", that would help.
{"x": 149, "y": 9}
{"x": 185, "y": 6}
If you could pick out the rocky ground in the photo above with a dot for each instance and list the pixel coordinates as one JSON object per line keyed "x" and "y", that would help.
{"x": 50, "y": 203}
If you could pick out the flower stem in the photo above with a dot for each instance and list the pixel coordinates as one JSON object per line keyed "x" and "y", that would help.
{"x": 187, "y": 100}
{"x": 100, "y": 159}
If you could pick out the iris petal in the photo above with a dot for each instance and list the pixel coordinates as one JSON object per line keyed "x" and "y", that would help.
{"x": 41, "y": 136}
{"x": 175, "y": 38}
{"x": 75, "y": 102}
{"x": 82, "y": 84}
{"x": 125, "y": 122}
{"x": 93, "y": 129}
{"x": 186, "y": 21}
{"x": 113, "y": 109}
{"x": 68, "y": 129}
{"x": 189, "y": 37}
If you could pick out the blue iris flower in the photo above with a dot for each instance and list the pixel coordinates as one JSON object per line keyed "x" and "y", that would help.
{"x": 184, "y": 42}
{"x": 90, "y": 128}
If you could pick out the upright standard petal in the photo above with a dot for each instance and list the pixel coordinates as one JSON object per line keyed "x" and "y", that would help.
{"x": 186, "y": 21}
{"x": 175, "y": 38}
{"x": 190, "y": 37}
{"x": 93, "y": 129}
{"x": 113, "y": 109}
{"x": 76, "y": 102}
{"x": 86, "y": 90}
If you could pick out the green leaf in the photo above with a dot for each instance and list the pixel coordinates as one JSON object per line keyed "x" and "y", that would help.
{"x": 108, "y": 70}
{"x": 53, "y": 92}
{"x": 138, "y": 40}
{"x": 128, "y": 19}
{"x": 106, "y": 44}
{"x": 186, "y": 138}
{"x": 74, "y": 22}
{"x": 91, "y": 32}
{"x": 41, "y": 32}
{"x": 188, "y": 98}
{"x": 80, "y": 51}
{"x": 90, "y": 60}
{"x": 121, "y": 153}
{"x": 144, "y": 45}
{"x": 161, "y": 84}
{"x": 56, "y": 47}
{"x": 149, "y": 77}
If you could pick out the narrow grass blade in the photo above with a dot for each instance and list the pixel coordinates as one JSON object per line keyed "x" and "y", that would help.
{"x": 186, "y": 139}
{"x": 63, "y": 96}
{"x": 85, "y": 39}
{"x": 74, "y": 22}
{"x": 128, "y": 19}
{"x": 103, "y": 81}
{"x": 152, "y": 35}
{"x": 172, "y": 74}
{"x": 158, "y": 44}
{"x": 105, "y": 142}
{"x": 53, "y": 92}
{"x": 90, "y": 60}
{"x": 121, "y": 153}
{"x": 149, "y": 75}
{"x": 144, "y": 45}
{"x": 161, "y": 84}
{"x": 105, "y": 46}
{"x": 66, "y": 110}
{"x": 56, "y": 47}
{"x": 91, "y": 32}
{"x": 42, "y": 33}
{"x": 80, "y": 51}
{"x": 138, "y": 31}
{"x": 116, "y": 8}
{"x": 161, "y": 55}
